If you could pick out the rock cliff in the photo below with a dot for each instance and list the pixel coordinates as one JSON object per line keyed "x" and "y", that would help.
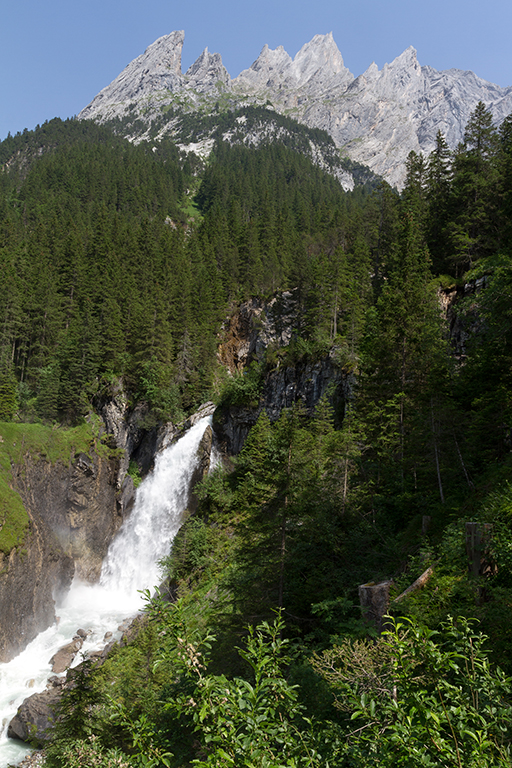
{"x": 257, "y": 327}
{"x": 156, "y": 76}
{"x": 73, "y": 512}
{"x": 284, "y": 387}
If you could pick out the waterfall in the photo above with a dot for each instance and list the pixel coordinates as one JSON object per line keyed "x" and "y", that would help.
{"x": 131, "y": 565}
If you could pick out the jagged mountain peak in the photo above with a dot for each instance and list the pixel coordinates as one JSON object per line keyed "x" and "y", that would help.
{"x": 404, "y": 67}
{"x": 206, "y": 71}
{"x": 157, "y": 69}
{"x": 319, "y": 61}
{"x": 269, "y": 62}
{"x": 164, "y": 53}
{"x": 409, "y": 57}
{"x": 376, "y": 119}
{"x": 321, "y": 53}
{"x": 156, "y": 76}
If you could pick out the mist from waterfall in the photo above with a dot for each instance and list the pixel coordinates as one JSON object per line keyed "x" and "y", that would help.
{"x": 131, "y": 565}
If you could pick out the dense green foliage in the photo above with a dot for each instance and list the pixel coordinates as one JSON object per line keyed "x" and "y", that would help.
{"x": 106, "y": 277}
{"x": 415, "y": 697}
{"x": 121, "y": 262}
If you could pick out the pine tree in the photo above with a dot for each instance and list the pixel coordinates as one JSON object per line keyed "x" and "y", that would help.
{"x": 8, "y": 392}
{"x": 505, "y": 170}
{"x": 401, "y": 349}
{"x": 474, "y": 231}
{"x": 438, "y": 194}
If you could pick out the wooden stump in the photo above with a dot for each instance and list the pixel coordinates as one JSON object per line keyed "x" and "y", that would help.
{"x": 374, "y": 600}
{"x": 478, "y": 539}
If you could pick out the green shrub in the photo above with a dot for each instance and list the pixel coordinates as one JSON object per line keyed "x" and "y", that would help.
{"x": 244, "y": 388}
{"x": 420, "y": 697}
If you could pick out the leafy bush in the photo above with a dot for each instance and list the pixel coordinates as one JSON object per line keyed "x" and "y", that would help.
{"x": 244, "y": 722}
{"x": 418, "y": 697}
{"x": 244, "y": 388}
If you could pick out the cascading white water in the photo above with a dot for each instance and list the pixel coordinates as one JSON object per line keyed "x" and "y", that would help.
{"x": 131, "y": 565}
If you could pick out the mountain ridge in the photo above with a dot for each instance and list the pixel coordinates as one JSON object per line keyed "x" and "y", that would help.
{"x": 376, "y": 118}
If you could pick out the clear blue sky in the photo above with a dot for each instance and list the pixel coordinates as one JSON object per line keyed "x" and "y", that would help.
{"x": 56, "y": 55}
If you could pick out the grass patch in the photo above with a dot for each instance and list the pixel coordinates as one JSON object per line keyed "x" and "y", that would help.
{"x": 50, "y": 443}
{"x": 13, "y": 517}
{"x": 191, "y": 210}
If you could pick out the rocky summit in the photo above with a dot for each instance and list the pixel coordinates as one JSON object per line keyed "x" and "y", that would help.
{"x": 376, "y": 118}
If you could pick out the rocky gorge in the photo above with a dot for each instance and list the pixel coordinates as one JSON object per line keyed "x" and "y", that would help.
{"x": 76, "y": 509}
{"x": 73, "y": 514}
{"x": 80, "y": 545}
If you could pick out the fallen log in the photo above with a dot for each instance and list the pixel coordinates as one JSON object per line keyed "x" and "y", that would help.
{"x": 418, "y": 584}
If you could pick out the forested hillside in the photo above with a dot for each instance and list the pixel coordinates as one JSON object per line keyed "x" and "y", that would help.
{"x": 121, "y": 262}
{"x": 115, "y": 268}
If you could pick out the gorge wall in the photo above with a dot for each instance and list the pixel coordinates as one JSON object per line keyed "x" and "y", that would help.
{"x": 73, "y": 512}
{"x": 261, "y": 332}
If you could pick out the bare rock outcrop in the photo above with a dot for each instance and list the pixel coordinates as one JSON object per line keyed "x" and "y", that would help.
{"x": 74, "y": 513}
{"x": 157, "y": 73}
{"x": 303, "y": 382}
{"x": 258, "y": 326}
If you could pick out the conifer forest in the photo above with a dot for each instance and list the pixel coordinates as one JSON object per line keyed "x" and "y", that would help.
{"x": 121, "y": 264}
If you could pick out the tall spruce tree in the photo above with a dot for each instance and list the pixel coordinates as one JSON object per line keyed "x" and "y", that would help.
{"x": 438, "y": 195}
{"x": 401, "y": 349}
{"x": 474, "y": 231}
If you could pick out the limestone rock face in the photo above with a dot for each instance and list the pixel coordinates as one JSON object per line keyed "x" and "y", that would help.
{"x": 316, "y": 67}
{"x": 207, "y": 73}
{"x": 376, "y": 118}
{"x": 73, "y": 514}
{"x": 157, "y": 74}
{"x": 157, "y": 69}
{"x": 257, "y": 325}
{"x": 385, "y": 114}
{"x": 380, "y": 116}
{"x": 267, "y": 69}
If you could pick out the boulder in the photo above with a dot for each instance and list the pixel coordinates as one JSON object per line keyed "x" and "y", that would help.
{"x": 63, "y": 659}
{"x": 35, "y": 717}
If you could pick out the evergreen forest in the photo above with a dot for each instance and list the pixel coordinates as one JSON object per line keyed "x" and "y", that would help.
{"x": 122, "y": 262}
